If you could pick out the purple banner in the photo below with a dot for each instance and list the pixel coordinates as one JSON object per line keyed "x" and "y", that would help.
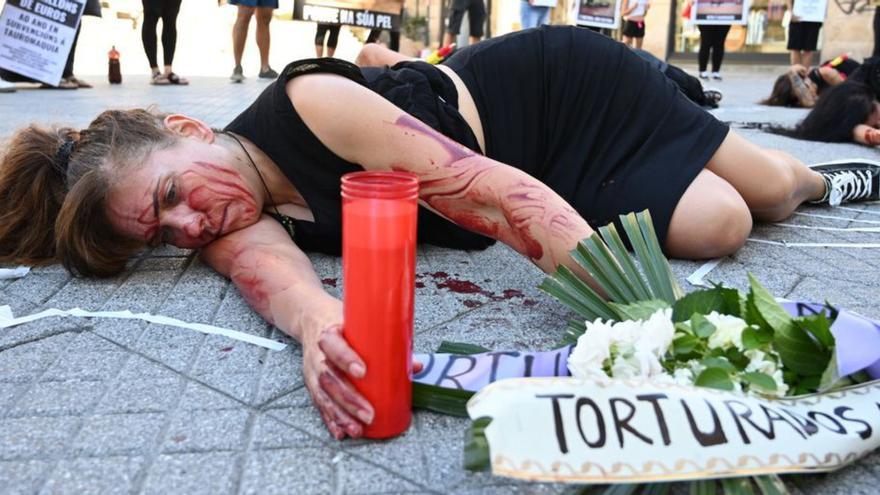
{"x": 857, "y": 345}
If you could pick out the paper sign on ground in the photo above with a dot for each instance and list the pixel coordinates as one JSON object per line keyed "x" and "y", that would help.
{"x": 616, "y": 431}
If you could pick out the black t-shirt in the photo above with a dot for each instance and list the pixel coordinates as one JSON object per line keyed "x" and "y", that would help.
{"x": 273, "y": 125}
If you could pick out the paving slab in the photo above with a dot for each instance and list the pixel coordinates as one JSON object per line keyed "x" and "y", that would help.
{"x": 107, "y": 406}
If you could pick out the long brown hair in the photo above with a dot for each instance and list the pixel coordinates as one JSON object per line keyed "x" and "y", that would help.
{"x": 49, "y": 213}
{"x": 782, "y": 94}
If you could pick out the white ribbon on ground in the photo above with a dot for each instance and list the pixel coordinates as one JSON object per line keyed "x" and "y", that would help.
{"x": 830, "y": 229}
{"x": 696, "y": 278}
{"x": 832, "y": 217}
{"x": 17, "y": 272}
{"x": 7, "y": 319}
{"x": 858, "y": 245}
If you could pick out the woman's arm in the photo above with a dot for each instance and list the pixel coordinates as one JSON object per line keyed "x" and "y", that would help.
{"x": 376, "y": 55}
{"x": 473, "y": 191}
{"x": 867, "y": 135}
{"x": 830, "y": 76}
{"x": 626, "y": 8}
{"x": 279, "y": 282}
{"x": 805, "y": 97}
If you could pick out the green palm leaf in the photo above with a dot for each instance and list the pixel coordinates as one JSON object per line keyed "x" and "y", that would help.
{"x": 615, "y": 273}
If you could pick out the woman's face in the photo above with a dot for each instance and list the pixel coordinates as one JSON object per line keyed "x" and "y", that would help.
{"x": 186, "y": 195}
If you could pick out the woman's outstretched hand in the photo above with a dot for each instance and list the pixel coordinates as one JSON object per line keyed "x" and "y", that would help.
{"x": 328, "y": 365}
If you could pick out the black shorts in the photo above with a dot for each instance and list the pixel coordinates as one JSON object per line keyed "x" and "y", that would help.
{"x": 634, "y": 29}
{"x": 588, "y": 117}
{"x": 803, "y": 35}
{"x": 476, "y": 17}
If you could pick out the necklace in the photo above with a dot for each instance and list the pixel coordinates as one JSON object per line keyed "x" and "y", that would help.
{"x": 285, "y": 220}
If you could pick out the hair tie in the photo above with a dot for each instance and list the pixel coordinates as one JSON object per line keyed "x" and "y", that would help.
{"x": 62, "y": 156}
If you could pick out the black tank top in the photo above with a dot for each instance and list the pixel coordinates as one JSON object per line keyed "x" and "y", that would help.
{"x": 273, "y": 125}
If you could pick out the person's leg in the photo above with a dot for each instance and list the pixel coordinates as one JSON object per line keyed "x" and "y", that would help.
{"x": 705, "y": 43}
{"x": 239, "y": 32}
{"x": 525, "y": 14}
{"x": 710, "y": 220}
{"x": 877, "y": 32}
{"x": 476, "y": 19}
{"x": 772, "y": 183}
{"x": 148, "y": 32}
{"x": 320, "y": 33}
{"x": 718, "y": 49}
{"x": 626, "y": 40}
{"x": 333, "y": 39}
{"x": 394, "y": 41}
{"x": 68, "y": 67}
{"x": 794, "y": 57}
{"x": 543, "y": 16}
{"x": 453, "y": 26}
{"x": 264, "y": 17}
{"x": 169, "y": 33}
{"x": 689, "y": 85}
{"x": 807, "y": 58}
{"x": 638, "y": 42}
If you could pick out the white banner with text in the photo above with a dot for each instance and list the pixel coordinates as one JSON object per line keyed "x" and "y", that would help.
{"x": 617, "y": 431}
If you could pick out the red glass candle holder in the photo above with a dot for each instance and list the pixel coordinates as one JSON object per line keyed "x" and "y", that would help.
{"x": 379, "y": 211}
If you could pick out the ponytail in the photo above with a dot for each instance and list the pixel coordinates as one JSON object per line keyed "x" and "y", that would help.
{"x": 32, "y": 189}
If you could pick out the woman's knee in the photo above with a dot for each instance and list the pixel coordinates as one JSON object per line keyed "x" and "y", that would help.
{"x": 264, "y": 15}
{"x": 244, "y": 14}
{"x": 710, "y": 220}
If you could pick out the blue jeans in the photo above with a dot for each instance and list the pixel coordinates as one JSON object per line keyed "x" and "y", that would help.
{"x": 532, "y": 16}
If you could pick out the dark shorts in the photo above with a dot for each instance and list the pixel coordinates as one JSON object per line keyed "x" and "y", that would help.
{"x": 255, "y": 3}
{"x": 591, "y": 119}
{"x": 634, "y": 29}
{"x": 803, "y": 35}
{"x": 476, "y": 17}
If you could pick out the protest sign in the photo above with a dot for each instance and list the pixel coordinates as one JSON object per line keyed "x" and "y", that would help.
{"x": 721, "y": 11}
{"x": 372, "y": 14}
{"x": 601, "y": 14}
{"x": 622, "y": 431}
{"x": 810, "y": 10}
{"x": 37, "y": 36}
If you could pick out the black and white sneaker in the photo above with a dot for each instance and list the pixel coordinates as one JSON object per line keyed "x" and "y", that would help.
{"x": 712, "y": 97}
{"x": 857, "y": 179}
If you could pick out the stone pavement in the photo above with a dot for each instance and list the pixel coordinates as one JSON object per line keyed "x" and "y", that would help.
{"x": 121, "y": 406}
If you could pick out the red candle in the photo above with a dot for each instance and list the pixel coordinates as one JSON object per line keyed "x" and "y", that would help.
{"x": 379, "y": 211}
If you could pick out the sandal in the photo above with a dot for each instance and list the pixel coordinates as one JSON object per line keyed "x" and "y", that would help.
{"x": 175, "y": 79}
{"x": 64, "y": 83}
{"x": 160, "y": 79}
{"x": 79, "y": 82}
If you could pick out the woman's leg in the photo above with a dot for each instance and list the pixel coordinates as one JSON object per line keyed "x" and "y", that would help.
{"x": 718, "y": 48}
{"x": 710, "y": 220}
{"x": 639, "y": 42}
{"x": 877, "y": 32}
{"x": 169, "y": 32}
{"x": 772, "y": 183}
{"x": 705, "y": 42}
{"x": 148, "y": 32}
{"x": 239, "y": 32}
{"x": 320, "y": 33}
{"x": 264, "y": 17}
{"x": 333, "y": 39}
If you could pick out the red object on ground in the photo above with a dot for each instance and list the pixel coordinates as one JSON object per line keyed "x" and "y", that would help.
{"x": 379, "y": 211}
{"x": 114, "y": 72}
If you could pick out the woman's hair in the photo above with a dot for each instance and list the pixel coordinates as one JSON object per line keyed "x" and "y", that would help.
{"x": 837, "y": 113}
{"x": 51, "y": 213}
{"x": 782, "y": 94}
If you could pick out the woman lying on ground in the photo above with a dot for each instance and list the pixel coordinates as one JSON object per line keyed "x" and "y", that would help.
{"x": 848, "y": 113}
{"x": 802, "y": 87}
{"x": 530, "y": 139}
